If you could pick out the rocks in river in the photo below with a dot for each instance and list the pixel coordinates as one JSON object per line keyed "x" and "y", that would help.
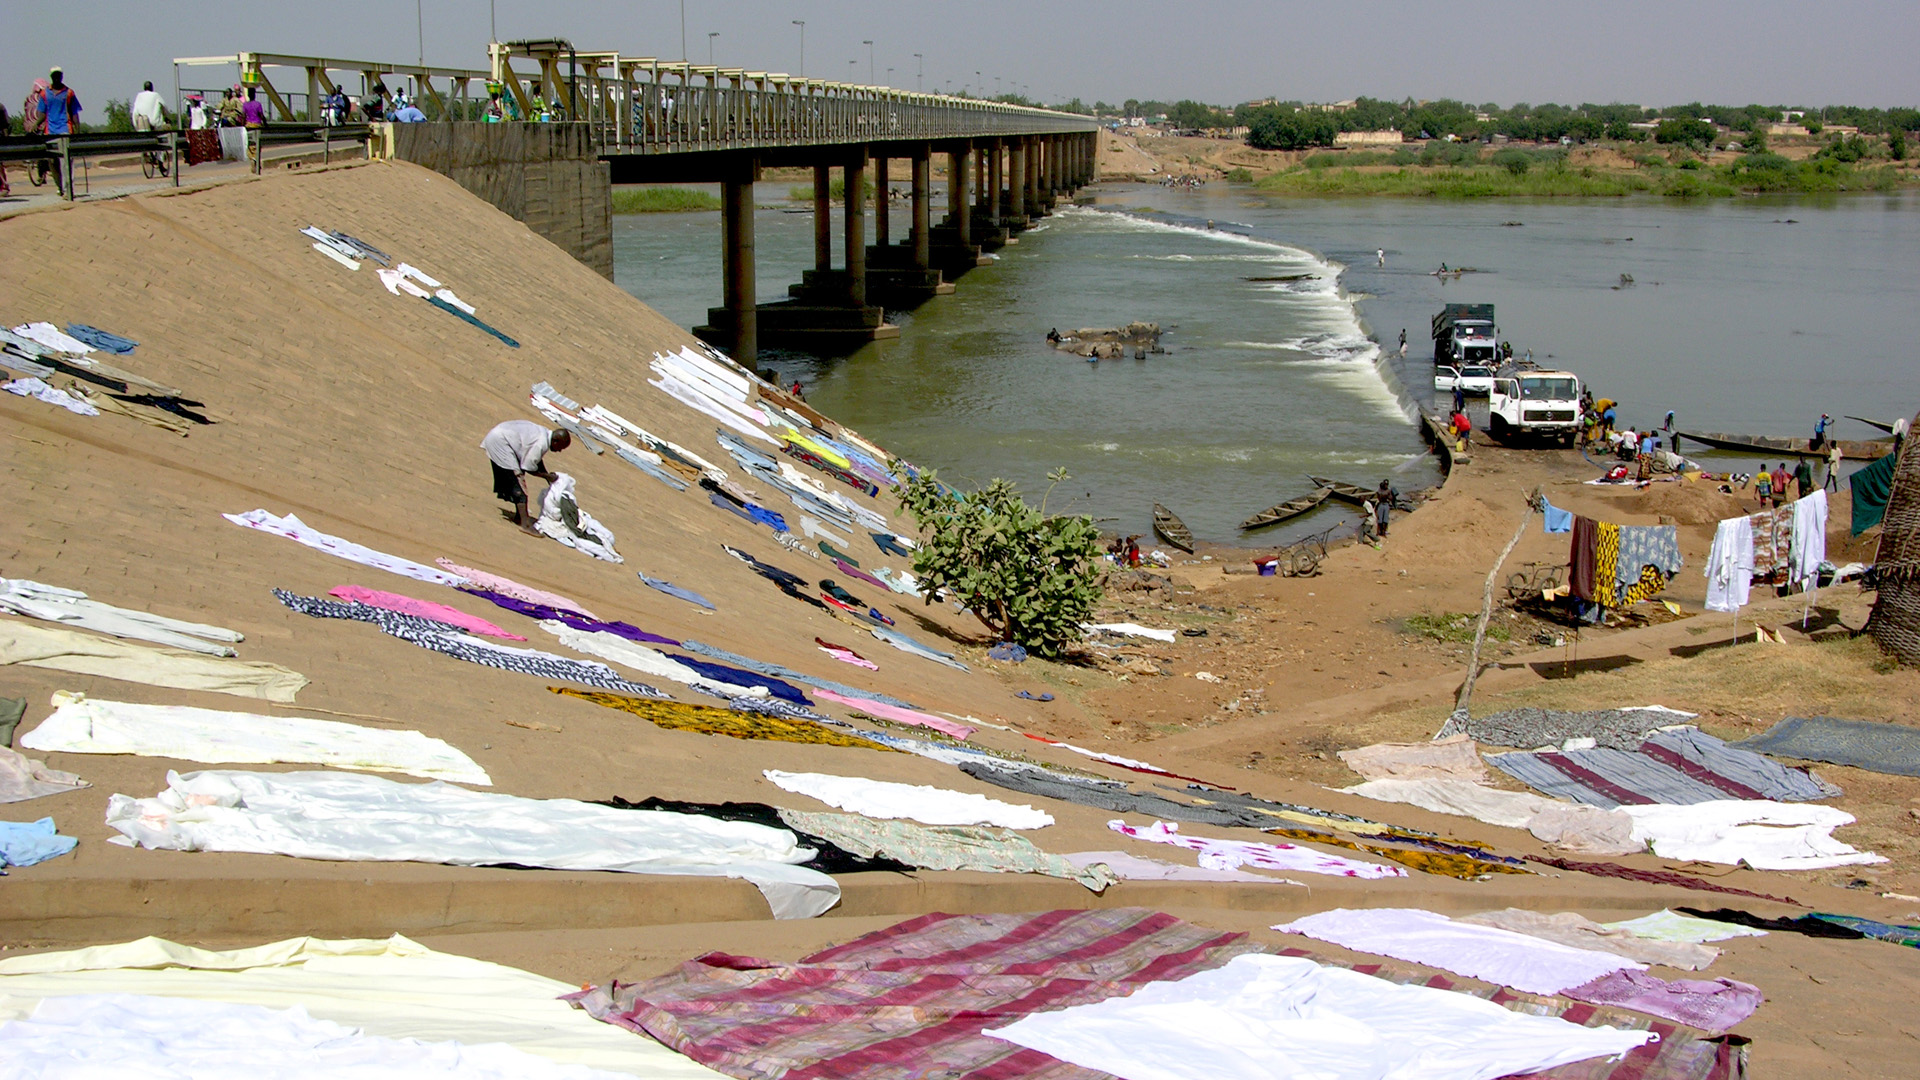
{"x": 1109, "y": 343}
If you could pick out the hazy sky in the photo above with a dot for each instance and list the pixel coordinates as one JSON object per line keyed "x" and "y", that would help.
{"x": 1724, "y": 51}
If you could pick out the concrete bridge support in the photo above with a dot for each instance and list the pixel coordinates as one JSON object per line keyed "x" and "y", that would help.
{"x": 741, "y": 284}
{"x": 856, "y": 230}
{"x": 1017, "y": 207}
{"x": 922, "y": 183}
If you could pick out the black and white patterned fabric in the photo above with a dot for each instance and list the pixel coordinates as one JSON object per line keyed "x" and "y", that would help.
{"x": 454, "y": 642}
{"x": 772, "y": 706}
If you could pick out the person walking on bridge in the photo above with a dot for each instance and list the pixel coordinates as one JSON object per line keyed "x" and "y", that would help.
{"x": 518, "y": 449}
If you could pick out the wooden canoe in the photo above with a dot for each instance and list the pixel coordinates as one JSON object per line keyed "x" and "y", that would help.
{"x": 1345, "y": 492}
{"x": 1888, "y": 428}
{"x": 1171, "y": 529}
{"x": 1771, "y": 446}
{"x": 1292, "y": 508}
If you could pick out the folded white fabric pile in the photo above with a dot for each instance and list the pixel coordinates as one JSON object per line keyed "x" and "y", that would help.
{"x": 1288, "y": 1017}
{"x": 353, "y": 818}
{"x": 83, "y": 725}
{"x": 563, "y": 519}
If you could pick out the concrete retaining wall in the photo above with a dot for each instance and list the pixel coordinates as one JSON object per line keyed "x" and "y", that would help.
{"x": 549, "y": 176}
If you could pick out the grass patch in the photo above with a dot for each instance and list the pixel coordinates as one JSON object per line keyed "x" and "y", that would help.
{"x": 661, "y": 200}
{"x": 1456, "y": 627}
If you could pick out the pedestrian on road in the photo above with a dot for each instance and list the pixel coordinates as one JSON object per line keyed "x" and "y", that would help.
{"x": 1462, "y": 430}
{"x": 147, "y": 111}
{"x": 517, "y": 449}
{"x": 253, "y": 116}
{"x": 59, "y": 105}
{"x": 1834, "y": 457}
{"x": 1780, "y": 477}
{"x": 1803, "y": 478}
{"x": 1459, "y": 396}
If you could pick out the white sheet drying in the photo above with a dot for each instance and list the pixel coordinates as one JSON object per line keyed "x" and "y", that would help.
{"x": 72, "y": 608}
{"x": 1730, "y": 565}
{"x": 353, "y": 818}
{"x": 914, "y": 802}
{"x": 1586, "y": 829}
{"x": 632, "y": 654}
{"x": 38, "y": 388}
{"x": 1500, "y": 956}
{"x": 89, "y": 1035}
{"x": 396, "y": 988}
{"x": 1131, "y": 630}
{"x": 1764, "y": 835}
{"x": 80, "y": 725}
{"x": 298, "y": 531}
{"x": 1288, "y": 1018}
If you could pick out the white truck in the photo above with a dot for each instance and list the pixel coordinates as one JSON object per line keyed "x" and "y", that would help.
{"x": 1527, "y": 402}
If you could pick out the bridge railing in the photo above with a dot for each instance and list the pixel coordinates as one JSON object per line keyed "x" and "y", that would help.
{"x": 665, "y": 118}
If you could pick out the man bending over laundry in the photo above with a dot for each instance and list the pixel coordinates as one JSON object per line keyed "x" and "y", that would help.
{"x": 516, "y": 449}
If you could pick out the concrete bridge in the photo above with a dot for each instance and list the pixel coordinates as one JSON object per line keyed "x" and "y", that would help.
{"x": 630, "y": 120}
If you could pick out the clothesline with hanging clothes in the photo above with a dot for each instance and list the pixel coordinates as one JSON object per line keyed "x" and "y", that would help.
{"x": 1618, "y": 566}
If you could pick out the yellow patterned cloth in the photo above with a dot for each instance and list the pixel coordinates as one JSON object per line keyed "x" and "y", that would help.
{"x": 1606, "y": 560}
{"x": 1431, "y": 862}
{"x": 1652, "y": 582}
{"x": 712, "y": 721}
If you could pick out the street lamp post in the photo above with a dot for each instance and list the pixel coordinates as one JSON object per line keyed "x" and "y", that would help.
{"x": 420, "y": 29}
{"x": 869, "y": 44}
{"x": 852, "y": 73}
{"x": 889, "y": 76}
{"x": 683, "y": 30}
{"x": 711, "y": 34}
{"x": 802, "y": 24}
{"x": 920, "y": 72}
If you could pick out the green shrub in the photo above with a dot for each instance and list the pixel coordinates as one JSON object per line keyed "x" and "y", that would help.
{"x": 1030, "y": 578}
{"x": 661, "y": 200}
{"x": 1239, "y": 176}
{"x": 1513, "y": 159}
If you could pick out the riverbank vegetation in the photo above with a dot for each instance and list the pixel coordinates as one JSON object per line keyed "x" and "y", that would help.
{"x": 661, "y": 200}
{"x": 1456, "y": 170}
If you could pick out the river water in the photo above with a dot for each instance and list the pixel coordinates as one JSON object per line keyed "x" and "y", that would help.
{"x": 1750, "y": 316}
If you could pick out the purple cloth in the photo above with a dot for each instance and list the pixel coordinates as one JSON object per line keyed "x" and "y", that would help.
{"x": 252, "y": 113}
{"x": 573, "y": 618}
{"x": 853, "y": 571}
{"x": 1712, "y": 1007}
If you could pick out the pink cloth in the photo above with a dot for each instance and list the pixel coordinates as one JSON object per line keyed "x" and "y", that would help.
{"x": 846, "y": 655}
{"x": 895, "y": 712}
{"x": 509, "y": 587}
{"x": 1712, "y": 1006}
{"x": 426, "y": 609}
{"x": 1233, "y": 854}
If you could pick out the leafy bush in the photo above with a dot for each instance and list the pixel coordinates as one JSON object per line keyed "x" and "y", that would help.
{"x": 1513, "y": 159}
{"x": 119, "y": 116}
{"x": 1030, "y": 578}
{"x": 1684, "y": 132}
{"x": 1440, "y": 152}
{"x": 1276, "y": 127}
{"x": 1897, "y": 145}
{"x": 1239, "y": 176}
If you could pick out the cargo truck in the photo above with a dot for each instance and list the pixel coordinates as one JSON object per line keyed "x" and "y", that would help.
{"x": 1465, "y": 334}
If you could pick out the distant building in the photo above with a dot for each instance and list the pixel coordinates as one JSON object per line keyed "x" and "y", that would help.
{"x": 1390, "y": 137}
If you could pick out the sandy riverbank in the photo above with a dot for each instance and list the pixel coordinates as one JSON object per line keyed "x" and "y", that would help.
{"x": 361, "y": 413}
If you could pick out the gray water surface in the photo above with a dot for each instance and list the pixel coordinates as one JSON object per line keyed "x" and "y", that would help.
{"x": 1750, "y": 315}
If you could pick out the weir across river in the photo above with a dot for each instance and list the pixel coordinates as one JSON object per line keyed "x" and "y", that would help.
{"x": 633, "y": 120}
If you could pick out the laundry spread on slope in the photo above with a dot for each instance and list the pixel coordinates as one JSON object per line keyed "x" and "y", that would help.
{"x": 83, "y": 725}
{"x": 61, "y": 649}
{"x": 71, "y": 607}
{"x": 738, "y": 724}
{"x": 352, "y": 817}
{"x": 298, "y": 531}
{"x": 915, "y": 802}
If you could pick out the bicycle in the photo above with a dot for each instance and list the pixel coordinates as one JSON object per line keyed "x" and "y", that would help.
{"x": 1534, "y": 578}
{"x": 153, "y": 163}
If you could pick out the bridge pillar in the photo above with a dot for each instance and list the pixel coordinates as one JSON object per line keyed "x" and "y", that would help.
{"x": 882, "y": 235}
{"x": 996, "y": 180}
{"x": 856, "y": 230}
{"x": 1017, "y": 179}
{"x": 1031, "y": 180}
{"x": 1056, "y": 175}
{"x": 823, "y": 218}
{"x": 959, "y": 198}
{"x": 741, "y": 285}
{"x": 922, "y": 156}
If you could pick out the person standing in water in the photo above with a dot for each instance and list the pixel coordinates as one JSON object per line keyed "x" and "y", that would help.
{"x": 1403, "y": 343}
{"x": 1380, "y": 254}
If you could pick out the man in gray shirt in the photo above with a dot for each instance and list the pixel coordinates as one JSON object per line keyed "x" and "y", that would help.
{"x": 519, "y": 448}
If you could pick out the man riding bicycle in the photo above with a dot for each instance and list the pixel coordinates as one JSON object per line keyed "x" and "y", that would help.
{"x": 150, "y": 115}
